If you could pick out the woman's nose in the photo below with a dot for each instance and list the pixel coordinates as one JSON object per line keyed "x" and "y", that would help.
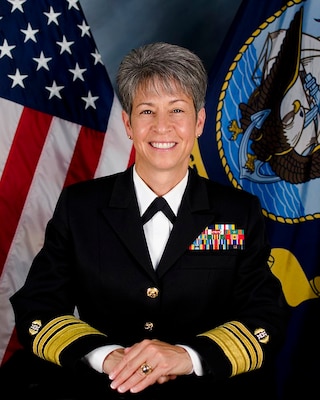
{"x": 162, "y": 123}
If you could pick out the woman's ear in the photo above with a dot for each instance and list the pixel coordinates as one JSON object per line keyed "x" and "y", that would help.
{"x": 201, "y": 117}
{"x": 127, "y": 124}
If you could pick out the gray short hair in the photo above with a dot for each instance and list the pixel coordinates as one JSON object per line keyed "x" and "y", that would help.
{"x": 165, "y": 63}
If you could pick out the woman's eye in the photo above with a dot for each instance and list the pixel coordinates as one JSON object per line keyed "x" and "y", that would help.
{"x": 177, "y": 110}
{"x": 146, "y": 112}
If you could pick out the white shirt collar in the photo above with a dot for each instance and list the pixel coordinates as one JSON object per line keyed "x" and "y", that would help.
{"x": 145, "y": 195}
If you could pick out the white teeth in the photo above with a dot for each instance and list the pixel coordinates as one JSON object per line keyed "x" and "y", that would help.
{"x": 161, "y": 145}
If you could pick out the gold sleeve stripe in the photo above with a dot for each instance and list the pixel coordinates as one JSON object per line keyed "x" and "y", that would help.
{"x": 58, "y": 334}
{"x": 239, "y": 345}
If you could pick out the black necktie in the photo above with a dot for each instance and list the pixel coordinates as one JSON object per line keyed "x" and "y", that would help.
{"x": 158, "y": 204}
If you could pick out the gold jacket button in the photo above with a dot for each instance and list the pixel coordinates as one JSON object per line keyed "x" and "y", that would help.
{"x": 148, "y": 326}
{"x": 152, "y": 292}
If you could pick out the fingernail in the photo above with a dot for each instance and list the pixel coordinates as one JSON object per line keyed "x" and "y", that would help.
{"x": 121, "y": 389}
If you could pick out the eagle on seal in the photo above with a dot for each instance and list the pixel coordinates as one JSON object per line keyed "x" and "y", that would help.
{"x": 288, "y": 139}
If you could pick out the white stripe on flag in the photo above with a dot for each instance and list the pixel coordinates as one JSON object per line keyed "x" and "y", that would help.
{"x": 10, "y": 115}
{"x": 116, "y": 147}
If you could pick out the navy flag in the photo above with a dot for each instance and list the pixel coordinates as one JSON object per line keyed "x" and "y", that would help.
{"x": 262, "y": 135}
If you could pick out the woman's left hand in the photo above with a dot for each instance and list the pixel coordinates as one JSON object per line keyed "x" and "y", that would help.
{"x": 149, "y": 362}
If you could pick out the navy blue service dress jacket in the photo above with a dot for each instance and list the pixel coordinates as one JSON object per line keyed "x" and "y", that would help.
{"x": 213, "y": 289}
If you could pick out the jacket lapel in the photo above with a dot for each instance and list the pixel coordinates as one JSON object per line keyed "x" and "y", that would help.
{"x": 123, "y": 215}
{"x": 194, "y": 215}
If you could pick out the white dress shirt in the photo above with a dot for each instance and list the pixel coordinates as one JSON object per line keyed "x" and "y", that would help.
{"x": 157, "y": 231}
{"x": 158, "y": 228}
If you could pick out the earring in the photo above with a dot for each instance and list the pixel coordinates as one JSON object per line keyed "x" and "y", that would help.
{"x": 129, "y": 137}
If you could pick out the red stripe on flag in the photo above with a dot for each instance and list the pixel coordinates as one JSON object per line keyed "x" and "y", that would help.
{"x": 18, "y": 173}
{"x": 86, "y": 156}
{"x": 132, "y": 156}
{"x": 13, "y": 345}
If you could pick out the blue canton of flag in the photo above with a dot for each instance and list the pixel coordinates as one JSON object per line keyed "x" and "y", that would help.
{"x": 36, "y": 41}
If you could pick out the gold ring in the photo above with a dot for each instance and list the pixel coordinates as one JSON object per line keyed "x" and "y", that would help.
{"x": 146, "y": 369}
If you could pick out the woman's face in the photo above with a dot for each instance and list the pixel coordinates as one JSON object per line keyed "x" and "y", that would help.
{"x": 163, "y": 126}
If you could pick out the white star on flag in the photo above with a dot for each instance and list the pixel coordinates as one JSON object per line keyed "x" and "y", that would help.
{"x": 90, "y": 100}
{"x": 17, "y": 78}
{"x": 42, "y": 61}
{"x": 54, "y": 90}
{"x": 6, "y": 49}
{"x": 30, "y": 33}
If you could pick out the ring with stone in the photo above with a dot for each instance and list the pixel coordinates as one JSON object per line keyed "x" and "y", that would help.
{"x": 146, "y": 369}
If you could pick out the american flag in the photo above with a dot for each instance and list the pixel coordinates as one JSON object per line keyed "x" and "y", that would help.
{"x": 60, "y": 122}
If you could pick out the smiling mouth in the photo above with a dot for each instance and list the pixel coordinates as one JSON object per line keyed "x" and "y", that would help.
{"x": 163, "y": 145}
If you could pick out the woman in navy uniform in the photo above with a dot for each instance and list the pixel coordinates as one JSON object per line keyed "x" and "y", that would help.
{"x": 120, "y": 301}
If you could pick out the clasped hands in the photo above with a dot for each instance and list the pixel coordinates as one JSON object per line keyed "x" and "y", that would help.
{"x": 145, "y": 363}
